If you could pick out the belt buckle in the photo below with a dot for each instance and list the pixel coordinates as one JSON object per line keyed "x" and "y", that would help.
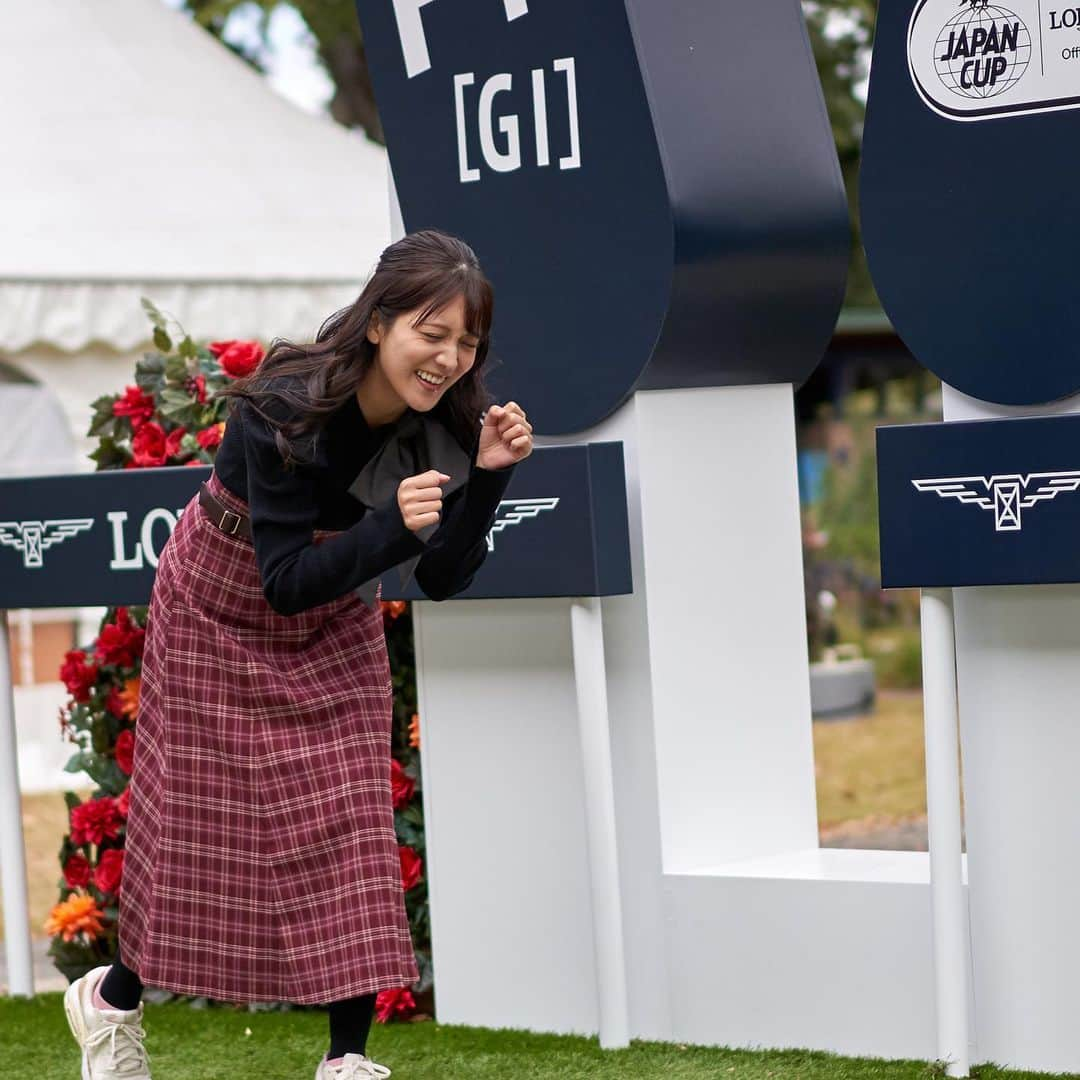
{"x": 236, "y": 525}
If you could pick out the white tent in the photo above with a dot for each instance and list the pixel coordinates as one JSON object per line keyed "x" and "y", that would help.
{"x": 142, "y": 157}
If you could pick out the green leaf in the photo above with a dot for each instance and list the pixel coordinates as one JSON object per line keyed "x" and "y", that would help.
{"x": 109, "y": 455}
{"x": 103, "y": 422}
{"x": 152, "y": 312}
{"x": 188, "y": 349}
{"x": 150, "y": 373}
{"x": 178, "y": 407}
{"x": 162, "y": 339}
{"x": 176, "y": 369}
{"x": 76, "y": 762}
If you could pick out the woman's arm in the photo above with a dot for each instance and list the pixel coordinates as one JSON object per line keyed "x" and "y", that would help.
{"x": 296, "y": 573}
{"x": 458, "y": 547}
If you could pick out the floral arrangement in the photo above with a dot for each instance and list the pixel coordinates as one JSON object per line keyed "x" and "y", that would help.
{"x": 170, "y": 416}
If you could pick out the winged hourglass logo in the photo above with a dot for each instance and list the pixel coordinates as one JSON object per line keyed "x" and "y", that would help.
{"x": 515, "y": 511}
{"x": 33, "y": 537}
{"x": 1007, "y": 495}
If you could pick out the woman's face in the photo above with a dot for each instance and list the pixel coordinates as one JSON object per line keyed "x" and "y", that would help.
{"x": 420, "y": 363}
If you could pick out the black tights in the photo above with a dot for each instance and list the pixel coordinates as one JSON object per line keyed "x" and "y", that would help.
{"x": 350, "y": 1019}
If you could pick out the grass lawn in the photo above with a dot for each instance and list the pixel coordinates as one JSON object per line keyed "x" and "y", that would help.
{"x": 872, "y": 767}
{"x": 193, "y": 1044}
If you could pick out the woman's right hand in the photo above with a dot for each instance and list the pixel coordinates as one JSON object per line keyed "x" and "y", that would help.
{"x": 420, "y": 499}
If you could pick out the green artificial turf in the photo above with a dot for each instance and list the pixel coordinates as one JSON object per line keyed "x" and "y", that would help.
{"x": 211, "y": 1044}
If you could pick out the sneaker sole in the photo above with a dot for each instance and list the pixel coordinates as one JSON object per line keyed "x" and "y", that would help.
{"x": 75, "y": 1022}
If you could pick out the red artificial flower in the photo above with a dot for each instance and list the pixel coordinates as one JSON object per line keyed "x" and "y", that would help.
{"x": 210, "y": 437}
{"x": 94, "y": 821}
{"x": 237, "y": 358}
{"x": 172, "y": 442}
{"x": 123, "y": 801}
{"x": 402, "y": 786}
{"x": 77, "y": 675}
{"x": 197, "y": 386}
{"x": 125, "y": 750}
{"x": 120, "y": 642}
{"x": 77, "y": 871}
{"x": 135, "y": 405}
{"x": 109, "y": 870}
{"x": 399, "y": 1002}
{"x": 412, "y": 867}
{"x": 148, "y": 446}
{"x": 114, "y": 703}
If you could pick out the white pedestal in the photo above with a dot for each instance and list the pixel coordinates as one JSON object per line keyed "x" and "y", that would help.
{"x": 1018, "y": 671}
{"x": 708, "y": 692}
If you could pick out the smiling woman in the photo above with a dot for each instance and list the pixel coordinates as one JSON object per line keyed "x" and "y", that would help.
{"x": 266, "y": 684}
{"x": 420, "y": 361}
{"x": 431, "y": 302}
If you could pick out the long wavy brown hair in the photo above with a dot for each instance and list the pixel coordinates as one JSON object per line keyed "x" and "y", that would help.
{"x": 424, "y": 270}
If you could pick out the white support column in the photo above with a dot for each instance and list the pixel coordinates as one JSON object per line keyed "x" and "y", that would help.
{"x": 20, "y": 966}
{"x": 951, "y": 946}
{"x": 590, "y": 677}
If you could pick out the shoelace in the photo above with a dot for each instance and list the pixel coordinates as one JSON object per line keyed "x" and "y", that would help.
{"x": 127, "y": 1053}
{"x": 363, "y": 1069}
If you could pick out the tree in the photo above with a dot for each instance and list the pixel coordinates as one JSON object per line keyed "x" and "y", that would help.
{"x": 840, "y": 33}
{"x": 339, "y": 46}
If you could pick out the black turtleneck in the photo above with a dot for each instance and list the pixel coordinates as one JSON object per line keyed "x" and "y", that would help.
{"x": 287, "y": 505}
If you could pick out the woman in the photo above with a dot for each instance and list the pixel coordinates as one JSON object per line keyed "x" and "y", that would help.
{"x": 261, "y": 862}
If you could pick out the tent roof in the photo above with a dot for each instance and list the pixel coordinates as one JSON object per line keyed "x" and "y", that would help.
{"x": 142, "y": 151}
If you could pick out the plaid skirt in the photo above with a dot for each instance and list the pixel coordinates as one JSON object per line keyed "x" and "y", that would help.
{"x": 261, "y": 862}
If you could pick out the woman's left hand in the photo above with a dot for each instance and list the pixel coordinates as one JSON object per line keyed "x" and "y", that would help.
{"x": 505, "y": 438}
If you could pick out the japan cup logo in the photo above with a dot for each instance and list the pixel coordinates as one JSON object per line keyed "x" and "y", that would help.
{"x": 982, "y": 51}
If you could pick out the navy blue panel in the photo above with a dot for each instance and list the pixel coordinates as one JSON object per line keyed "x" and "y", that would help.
{"x": 89, "y": 557}
{"x": 561, "y": 530}
{"x": 611, "y": 529}
{"x": 990, "y": 502}
{"x": 762, "y": 237}
{"x": 969, "y": 224}
{"x": 674, "y": 248}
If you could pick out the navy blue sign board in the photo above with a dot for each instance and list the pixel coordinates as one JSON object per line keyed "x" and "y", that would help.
{"x": 967, "y": 190}
{"x": 95, "y": 538}
{"x": 652, "y": 187}
{"x": 985, "y": 502}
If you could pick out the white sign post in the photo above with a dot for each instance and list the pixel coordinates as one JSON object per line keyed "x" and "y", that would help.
{"x": 20, "y": 966}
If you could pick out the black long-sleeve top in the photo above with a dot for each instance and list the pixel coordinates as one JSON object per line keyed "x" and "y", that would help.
{"x": 287, "y": 505}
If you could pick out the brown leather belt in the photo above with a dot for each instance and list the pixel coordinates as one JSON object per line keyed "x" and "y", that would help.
{"x": 228, "y": 521}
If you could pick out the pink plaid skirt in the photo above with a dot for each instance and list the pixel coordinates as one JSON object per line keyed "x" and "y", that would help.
{"x": 261, "y": 862}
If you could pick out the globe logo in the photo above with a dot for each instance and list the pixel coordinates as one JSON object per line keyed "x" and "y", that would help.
{"x": 983, "y": 51}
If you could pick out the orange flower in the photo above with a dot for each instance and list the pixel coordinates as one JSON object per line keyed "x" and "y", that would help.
{"x": 129, "y": 696}
{"x": 414, "y": 731}
{"x": 391, "y": 609}
{"x": 77, "y": 916}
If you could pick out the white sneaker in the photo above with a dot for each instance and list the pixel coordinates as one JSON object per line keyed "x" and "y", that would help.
{"x": 111, "y": 1039}
{"x": 352, "y": 1067}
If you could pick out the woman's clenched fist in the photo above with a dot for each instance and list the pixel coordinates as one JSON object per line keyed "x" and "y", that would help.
{"x": 420, "y": 499}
